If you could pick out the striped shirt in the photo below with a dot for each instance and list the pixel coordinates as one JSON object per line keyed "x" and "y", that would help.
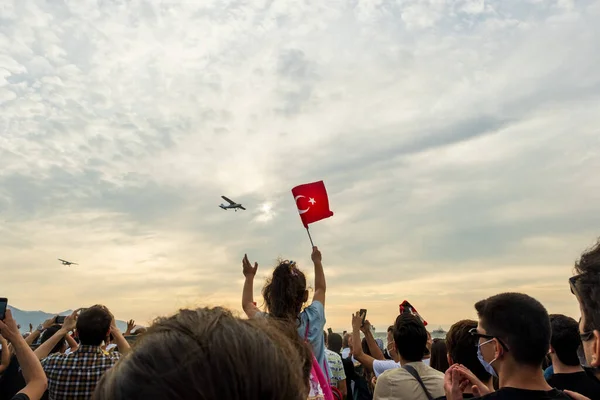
{"x": 74, "y": 376}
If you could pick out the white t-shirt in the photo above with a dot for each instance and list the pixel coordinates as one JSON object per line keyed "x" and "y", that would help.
{"x": 380, "y": 366}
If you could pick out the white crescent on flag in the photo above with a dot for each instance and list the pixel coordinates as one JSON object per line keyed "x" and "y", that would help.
{"x": 299, "y": 210}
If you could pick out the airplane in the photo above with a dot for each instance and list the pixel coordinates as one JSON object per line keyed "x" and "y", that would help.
{"x": 67, "y": 262}
{"x": 232, "y": 204}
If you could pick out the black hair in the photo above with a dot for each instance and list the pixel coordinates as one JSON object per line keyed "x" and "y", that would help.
{"x": 335, "y": 342}
{"x": 284, "y": 292}
{"x": 439, "y": 355}
{"x": 48, "y": 333}
{"x": 520, "y": 322}
{"x": 462, "y": 347}
{"x": 410, "y": 337}
{"x": 588, "y": 286}
{"x": 208, "y": 354}
{"x": 565, "y": 339}
{"x": 93, "y": 325}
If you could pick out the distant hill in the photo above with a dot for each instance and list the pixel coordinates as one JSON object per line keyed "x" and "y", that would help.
{"x": 24, "y": 318}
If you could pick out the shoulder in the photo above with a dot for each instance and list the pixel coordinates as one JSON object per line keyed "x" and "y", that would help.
{"x": 316, "y": 307}
{"x": 53, "y": 358}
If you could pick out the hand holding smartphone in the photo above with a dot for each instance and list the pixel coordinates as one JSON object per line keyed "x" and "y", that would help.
{"x": 363, "y": 313}
{"x": 3, "y": 306}
{"x": 60, "y": 319}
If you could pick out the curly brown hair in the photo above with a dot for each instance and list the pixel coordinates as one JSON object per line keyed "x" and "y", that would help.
{"x": 285, "y": 291}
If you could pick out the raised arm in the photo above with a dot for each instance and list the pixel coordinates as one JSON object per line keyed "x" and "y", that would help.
{"x": 365, "y": 359}
{"x": 373, "y": 348}
{"x": 46, "y": 347}
{"x": 71, "y": 342}
{"x": 248, "y": 292}
{"x": 119, "y": 339}
{"x": 5, "y": 355}
{"x": 320, "y": 284}
{"x": 32, "y": 369}
{"x": 36, "y": 333}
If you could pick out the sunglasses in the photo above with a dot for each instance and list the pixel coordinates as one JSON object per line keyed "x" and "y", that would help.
{"x": 473, "y": 332}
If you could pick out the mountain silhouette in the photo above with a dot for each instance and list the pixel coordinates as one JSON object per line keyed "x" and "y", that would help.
{"x": 35, "y": 318}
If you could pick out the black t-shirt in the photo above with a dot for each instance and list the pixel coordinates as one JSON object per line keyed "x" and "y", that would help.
{"x": 579, "y": 382}
{"x": 350, "y": 375}
{"x": 20, "y": 396}
{"x": 508, "y": 393}
{"x": 12, "y": 380}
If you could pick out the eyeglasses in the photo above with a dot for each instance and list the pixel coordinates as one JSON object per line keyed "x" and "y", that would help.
{"x": 478, "y": 335}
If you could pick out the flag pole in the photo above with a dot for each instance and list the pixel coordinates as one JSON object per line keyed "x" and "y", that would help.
{"x": 311, "y": 241}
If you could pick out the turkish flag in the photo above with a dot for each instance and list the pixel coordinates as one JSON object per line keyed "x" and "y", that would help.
{"x": 312, "y": 202}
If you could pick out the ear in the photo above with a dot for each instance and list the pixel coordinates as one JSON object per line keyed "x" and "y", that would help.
{"x": 595, "y": 350}
{"x": 551, "y": 351}
{"x": 305, "y": 298}
{"x": 449, "y": 358}
{"x": 498, "y": 349}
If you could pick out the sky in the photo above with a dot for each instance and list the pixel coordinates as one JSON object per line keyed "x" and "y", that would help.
{"x": 458, "y": 141}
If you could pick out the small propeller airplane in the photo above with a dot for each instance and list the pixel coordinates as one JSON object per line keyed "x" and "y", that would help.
{"x": 64, "y": 262}
{"x": 232, "y": 204}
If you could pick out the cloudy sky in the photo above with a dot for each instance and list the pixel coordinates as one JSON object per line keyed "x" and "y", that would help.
{"x": 458, "y": 141}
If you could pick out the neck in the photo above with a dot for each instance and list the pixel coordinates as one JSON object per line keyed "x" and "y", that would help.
{"x": 403, "y": 362}
{"x": 522, "y": 377}
{"x": 560, "y": 368}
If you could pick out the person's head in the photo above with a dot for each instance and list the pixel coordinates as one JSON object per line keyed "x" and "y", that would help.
{"x": 61, "y": 346}
{"x": 285, "y": 292}
{"x": 93, "y": 325}
{"x": 345, "y": 341}
{"x": 565, "y": 340}
{"x": 335, "y": 343}
{"x": 410, "y": 337}
{"x": 365, "y": 347}
{"x": 208, "y": 353}
{"x": 513, "y": 328}
{"x": 439, "y": 355}
{"x": 462, "y": 348}
{"x": 585, "y": 285}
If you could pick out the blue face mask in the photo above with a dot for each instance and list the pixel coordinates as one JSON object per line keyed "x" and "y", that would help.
{"x": 487, "y": 365}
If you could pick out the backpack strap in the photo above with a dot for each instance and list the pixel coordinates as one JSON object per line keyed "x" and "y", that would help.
{"x": 411, "y": 370}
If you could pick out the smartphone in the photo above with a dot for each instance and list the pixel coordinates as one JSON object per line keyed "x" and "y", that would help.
{"x": 363, "y": 312}
{"x": 329, "y": 331}
{"x": 3, "y": 305}
{"x": 407, "y": 308}
{"x": 60, "y": 320}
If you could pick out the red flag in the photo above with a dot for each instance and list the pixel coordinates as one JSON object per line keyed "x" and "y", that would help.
{"x": 312, "y": 202}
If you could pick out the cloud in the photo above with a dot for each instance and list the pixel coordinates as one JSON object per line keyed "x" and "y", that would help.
{"x": 457, "y": 141}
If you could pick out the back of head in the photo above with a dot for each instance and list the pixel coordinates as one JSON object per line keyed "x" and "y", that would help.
{"x": 521, "y": 322}
{"x": 335, "y": 343}
{"x": 439, "y": 355}
{"x": 410, "y": 337}
{"x": 93, "y": 325}
{"x": 285, "y": 292}
{"x": 48, "y": 333}
{"x": 462, "y": 348}
{"x": 209, "y": 354}
{"x": 565, "y": 339}
{"x": 588, "y": 287}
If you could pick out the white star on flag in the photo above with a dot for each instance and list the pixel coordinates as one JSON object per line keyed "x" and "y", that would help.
{"x": 312, "y": 201}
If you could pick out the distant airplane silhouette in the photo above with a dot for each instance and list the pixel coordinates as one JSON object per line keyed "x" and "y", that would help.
{"x": 69, "y": 263}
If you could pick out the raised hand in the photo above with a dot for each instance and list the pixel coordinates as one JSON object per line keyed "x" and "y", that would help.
{"x": 130, "y": 326}
{"x": 247, "y": 268}
{"x": 366, "y": 326}
{"x": 30, "y": 328}
{"x": 479, "y": 388}
{"x": 49, "y": 322}
{"x": 70, "y": 322}
{"x": 9, "y": 328}
{"x": 356, "y": 321}
{"x": 316, "y": 255}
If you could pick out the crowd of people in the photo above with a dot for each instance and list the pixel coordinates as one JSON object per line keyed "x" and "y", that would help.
{"x": 514, "y": 350}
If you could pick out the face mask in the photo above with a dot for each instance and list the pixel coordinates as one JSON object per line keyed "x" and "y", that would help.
{"x": 488, "y": 366}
